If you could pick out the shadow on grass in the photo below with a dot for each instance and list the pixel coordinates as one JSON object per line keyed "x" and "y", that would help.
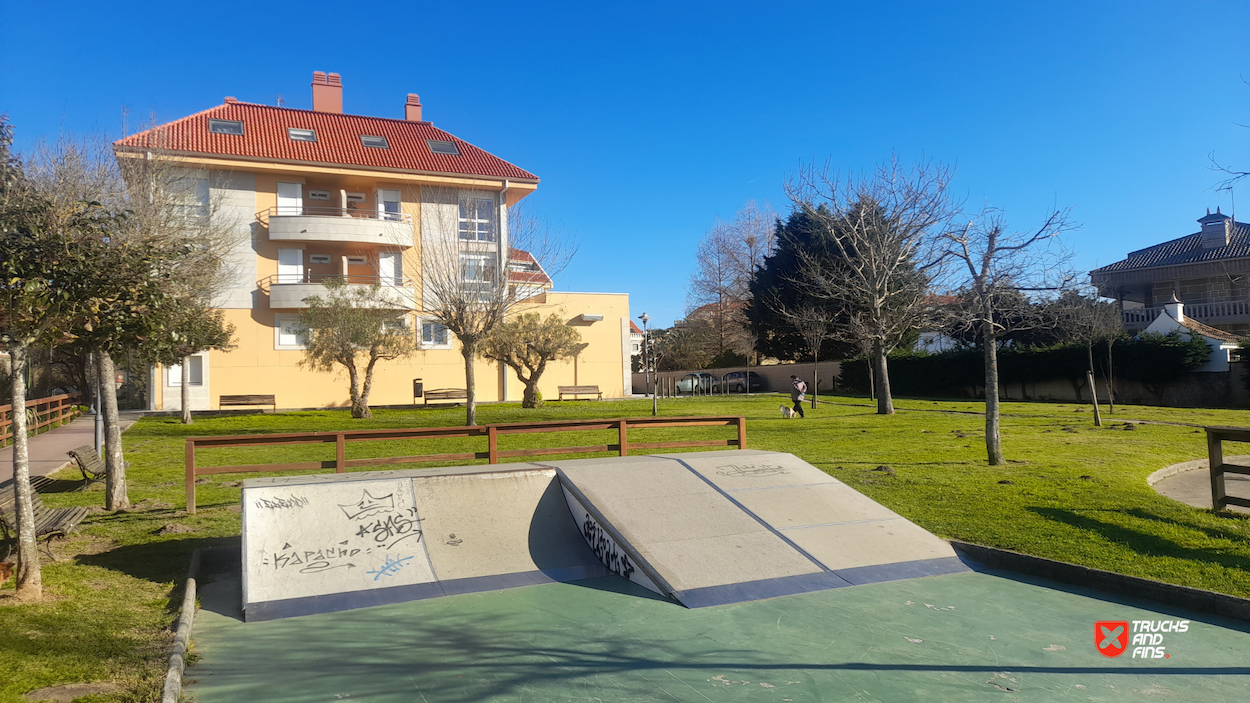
{"x": 158, "y": 561}
{"x": 1143, "y": 542}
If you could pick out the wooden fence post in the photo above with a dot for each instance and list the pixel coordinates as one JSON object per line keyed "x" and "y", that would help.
{"x": 624, "y": 437}
{"x": 340, "y": 453}
{"x": 1215, "y": 459}
{"x": 742, "y": 431}
{"x": 492, "y": 445}
{"x": 190, "y": 461}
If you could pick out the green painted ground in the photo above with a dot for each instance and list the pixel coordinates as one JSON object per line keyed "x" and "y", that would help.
{"x": 963, "y": 637}
{"x": 1070, "y": 492}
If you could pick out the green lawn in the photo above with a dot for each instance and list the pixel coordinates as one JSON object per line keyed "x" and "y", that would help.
{"x": 1071, "y": 492}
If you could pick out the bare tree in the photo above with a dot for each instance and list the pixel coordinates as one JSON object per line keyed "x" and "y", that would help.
{"x": 176, "y": 230}
{"x": 1089, "y": 321}
{"x": 879, "y": 235}
{"x": 480, "y": 260}
{"x": 727, "y": 256}
{"x": 816, "y": 324}
{"x": 999, "y": 269}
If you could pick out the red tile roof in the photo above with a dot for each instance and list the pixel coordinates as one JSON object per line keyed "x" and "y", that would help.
{"x": 634, "y": 328}
{"x": 522, "y": 268}
{"x": 338, "y": 141}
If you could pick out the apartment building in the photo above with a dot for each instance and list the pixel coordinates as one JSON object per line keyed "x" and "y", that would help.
{"x": 320, "y": 194}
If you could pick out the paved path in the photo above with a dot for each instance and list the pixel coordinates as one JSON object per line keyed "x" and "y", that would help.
{"x": 1190, "y": 483}
{"x": 47, "y": 451}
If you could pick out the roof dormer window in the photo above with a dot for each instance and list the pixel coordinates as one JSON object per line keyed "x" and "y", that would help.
{"x": 439, "y": 146}
{"x": 234, "y": 127}
{"x": 301, "y": 135}
{"x": 375, "y": 142}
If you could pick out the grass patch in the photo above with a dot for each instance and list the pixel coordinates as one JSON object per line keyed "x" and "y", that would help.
{"x": 1071, "y": 492}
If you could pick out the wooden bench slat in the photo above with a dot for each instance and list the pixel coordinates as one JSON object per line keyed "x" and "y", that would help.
{"x": 579, "y": 390}
{"x": 255, "y": 399}
{"x": 446, "y": 394}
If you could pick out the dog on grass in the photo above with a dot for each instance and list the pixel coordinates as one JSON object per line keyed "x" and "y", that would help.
{"x": 787, "y": 413}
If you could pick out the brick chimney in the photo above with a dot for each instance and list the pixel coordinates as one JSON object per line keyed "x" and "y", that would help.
{"x": 1215, "y": 229}
{"x": 412, "y": 108}
{"x": 327, "y": 92}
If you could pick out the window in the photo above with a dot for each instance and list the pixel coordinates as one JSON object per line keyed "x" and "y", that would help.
{"x": 477, "y": 219}
{"x": 441, "y": 147}
{"x": 318, "y": 258}
{"x": 190, "y": 199}
{"x": 375, "y": 142}
{"x": 478, "y": 273}
{"x": 234, "y": 127}
{"x": 389, "y": 205}
{"x": 434, "y": 335}
{"x": 357, "y": 261}
{"x": 289, "y": 333}
{"x": 301, "y": 135}
{"x": 196, "y": 367}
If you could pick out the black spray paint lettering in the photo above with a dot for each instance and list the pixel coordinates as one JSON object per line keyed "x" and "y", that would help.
{"x": 311, "y": 560}
{"x": 294, "y": 501}
{"x": 390, "y": 530}
{"x": 605, "y": 548}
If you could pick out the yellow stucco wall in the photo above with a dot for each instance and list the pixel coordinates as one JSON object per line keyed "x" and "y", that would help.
{"x": 254, "y": 366}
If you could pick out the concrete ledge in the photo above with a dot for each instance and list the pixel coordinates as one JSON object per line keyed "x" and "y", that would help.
{"x": 1181, "y": 596}
{"x": 1192, "y": 465}
{"x": 182, "y": 639}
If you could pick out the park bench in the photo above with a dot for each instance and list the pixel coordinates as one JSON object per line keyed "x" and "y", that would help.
{"x": 236, "y": 400}
{"x": 580, "y": 390}
{"x": 49, "y": 522}
{"x": 90, "y": 464}
{"x": 446, "y": 394}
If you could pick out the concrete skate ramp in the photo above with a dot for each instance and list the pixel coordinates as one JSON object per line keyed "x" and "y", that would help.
{"x": 710, "y": 528}
{"x": 703, "y": 528}
{"x": 323, "y": 543}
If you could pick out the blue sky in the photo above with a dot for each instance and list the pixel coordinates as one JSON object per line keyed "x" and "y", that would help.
{"x": 648, "y": 121}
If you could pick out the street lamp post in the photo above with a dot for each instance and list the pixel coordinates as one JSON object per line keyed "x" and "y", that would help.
{"x": 646, "y": 359}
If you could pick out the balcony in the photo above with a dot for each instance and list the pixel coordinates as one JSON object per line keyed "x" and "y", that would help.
{"x": 331, "y": 224}
{"x": 1229, "y": 312}
{"x": 291, "y": 292}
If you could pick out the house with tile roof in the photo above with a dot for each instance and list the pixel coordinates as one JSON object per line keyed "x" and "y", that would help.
{"x": 1209, "y": 271}
{"x": 320, "y": 194}
{"x": 1173, "y": 319}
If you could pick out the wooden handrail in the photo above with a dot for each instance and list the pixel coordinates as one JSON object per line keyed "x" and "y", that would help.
{"x": 50, "y": 411}
{"x": 491, "y": 432}
{"x": 1216, "y": 437}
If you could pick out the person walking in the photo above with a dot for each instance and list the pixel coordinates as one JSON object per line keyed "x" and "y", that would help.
{"x": 798, "y": 391}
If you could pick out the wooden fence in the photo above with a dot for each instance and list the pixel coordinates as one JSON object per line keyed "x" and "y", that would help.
{"x": 490, "y": 432}
{"x": 1216, "y": 437}
{"x": 52, "y": 411}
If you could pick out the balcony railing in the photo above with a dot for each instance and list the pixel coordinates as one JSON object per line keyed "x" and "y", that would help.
{"x": 332, "y": 224}
{"x": 322, "y": 278}
{"x": 1228, "y": 311}
{"x": 318, "y": 211}
{"x": 289, "y": 291}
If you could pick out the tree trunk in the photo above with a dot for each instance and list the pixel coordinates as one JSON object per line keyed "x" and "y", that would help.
{"x": 469, "y": 351}
{"x": 885, "y": 401}
{"x": 186, "y": 390}
{"x": 872, "y": 380}
{"x": 1093, "y": 387}
{"x": 993, "y": 442}
{"x": 815, "y": 375}
{"x": 29, "y": 575}
{"x": 115, "y": 493}
{"x": 1110, "y": 379}
{"x": 360, "y": 405}
{"x": 367, "y": 388}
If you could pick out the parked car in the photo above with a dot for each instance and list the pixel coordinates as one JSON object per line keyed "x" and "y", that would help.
{"x": 736, "y": 382}
{"x": 700, "y": 382}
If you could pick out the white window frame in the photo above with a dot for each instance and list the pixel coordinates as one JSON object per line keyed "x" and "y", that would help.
{"x": 482, "y": 224}
{"x": 175, "y": 372}
{"x": 389, "y": 196}
{"x": 433, "y": 345}
{"x": 297, "y": 134}
{"x": 278, "y": 321}
{"x": 485, "y": 262}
